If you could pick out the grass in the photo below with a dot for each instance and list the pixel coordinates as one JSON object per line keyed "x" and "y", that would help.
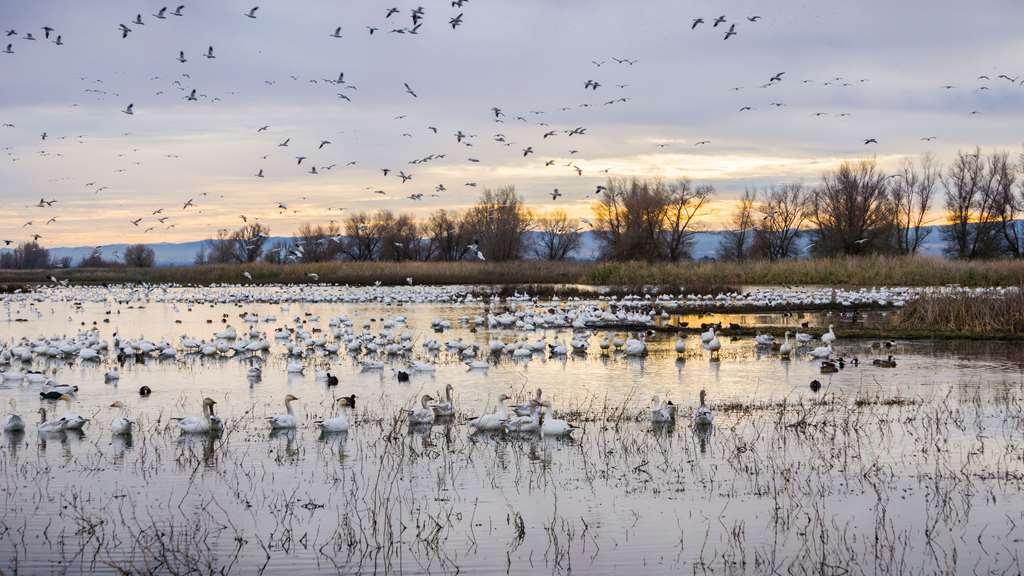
{"x": 849, "y": 271}
{"x": 964, "y": 314}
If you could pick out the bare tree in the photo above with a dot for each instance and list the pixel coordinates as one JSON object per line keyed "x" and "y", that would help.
{"x": 27, "y": 256}
{"x": 735, "y": 243}
{"x": 362, "y": 241}
{"x": 557, "y": 236}
{"x": 445, "y": 232}
{"x": 239, "y": 246}
{"x": 974, "y": 221}
{"x": 400, "y": 238}
{"x": 852, "y": 210}
{"x": 648, "y": 220}
{"x": 318, "y": 243}
{"x": 139, "y": 256}
{"x": 499, "y": 221}
{"x": 911, "y": 194}
{"x": 683, "y": 202}
{"x": 783, "y": 211}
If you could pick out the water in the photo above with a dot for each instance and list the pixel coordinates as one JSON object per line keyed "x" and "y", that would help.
{"x": 914, "y": 469}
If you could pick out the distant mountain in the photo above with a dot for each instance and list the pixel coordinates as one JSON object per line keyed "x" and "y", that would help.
{"x": 705, "y": 246}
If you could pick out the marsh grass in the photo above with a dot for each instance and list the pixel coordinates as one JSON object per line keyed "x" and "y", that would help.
{"x": 964, "y": 313}
{"x": 384, "y": 499}
{"x": 848, "y": 271}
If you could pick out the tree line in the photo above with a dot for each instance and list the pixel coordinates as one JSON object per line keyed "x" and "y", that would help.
{"x": 855, "y": 209}
{"x": 33, "y": 256}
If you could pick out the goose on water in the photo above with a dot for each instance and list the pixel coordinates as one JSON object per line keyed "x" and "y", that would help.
{"x": 13, "y": 422}
{"x": 58, "y": 425}
{"x": 342, "y": 421}
{"x": 662, "y": 412}
{"x": 446, "y": 408}
{"x": 526, "y": 408}
{"x": 525, "y": 424}
{"x": 786, "y": 349}
{"x": 284, "y": 421}
{"x": 494, "y": 421}
{"x": 425, "y": 413}
{"x": 703, "y": 416}
{"x": 551, "y": 426}
{"x": 208, "y": 422}
{"x": 121, "y": 425}
{"x": 828, "y": 337}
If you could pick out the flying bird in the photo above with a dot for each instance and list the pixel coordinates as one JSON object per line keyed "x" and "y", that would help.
{"x": 252, "y": 12}
{"x": 409, "y": 91}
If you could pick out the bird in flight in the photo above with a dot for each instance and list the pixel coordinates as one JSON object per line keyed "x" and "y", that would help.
{"x": 870, "y": 141}
{"x": 696, "y": 22}
{"x": 408, "y": 90}
{"x": 129, "y": 110}
{"x": 731, "y": 32}
{"x": 252, "y": 12}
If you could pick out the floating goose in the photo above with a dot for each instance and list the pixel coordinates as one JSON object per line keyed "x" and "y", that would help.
{"x": 703, "y": 416}
{"x": 121, "y": 425}
{"x": 341, "y": 422}
{"x": 491, "y": 422}
{"x": 58, "y": 425}
{"x": 284, "y": 421}
{"x": 525, "y": 424}
{"x": 425, "y": 413}
{"x": 708, "y": 336}
{"x": 446, "y": 408}
{"x": 71, "y": 420}
{"x": 13, "y": 422}
{"x": 204, "y": 424}
{"x": 828, "y": 337}
{"x": 822, "y": 352}
{"x": 786, "y": 349}
{"x": 526, "y": 408}
{"x": 551, "y": 426}
{"x": 662, "y": 412}
{"x": 680, "y": 345}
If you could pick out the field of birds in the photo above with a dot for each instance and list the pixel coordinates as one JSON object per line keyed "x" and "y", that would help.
{"x": 418, "y": 429}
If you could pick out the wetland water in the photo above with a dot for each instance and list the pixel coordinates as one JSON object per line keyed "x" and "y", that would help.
{"x": 912, "y": 469}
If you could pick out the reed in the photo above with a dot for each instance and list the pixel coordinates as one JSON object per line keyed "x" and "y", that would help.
{"x": 965, "y": 313}
{"x": 849, "y": 271}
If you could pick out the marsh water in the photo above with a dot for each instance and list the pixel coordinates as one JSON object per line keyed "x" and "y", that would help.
{"x": 912, "y": 469}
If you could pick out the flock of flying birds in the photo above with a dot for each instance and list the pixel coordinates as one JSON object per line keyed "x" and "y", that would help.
{"x": 314, "y": 157}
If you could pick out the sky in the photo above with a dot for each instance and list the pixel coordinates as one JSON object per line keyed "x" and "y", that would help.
{"x": 875, "y": 69}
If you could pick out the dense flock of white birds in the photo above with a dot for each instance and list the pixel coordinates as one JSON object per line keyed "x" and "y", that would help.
{"x": 518, "y": 326}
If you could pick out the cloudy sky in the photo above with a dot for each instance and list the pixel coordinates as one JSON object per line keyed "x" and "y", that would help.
{"x": 875, "y": 68}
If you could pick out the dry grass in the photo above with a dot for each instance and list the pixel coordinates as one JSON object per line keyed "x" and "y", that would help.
{"x": 965, "y": 313}
{"x": 864, "y": 271}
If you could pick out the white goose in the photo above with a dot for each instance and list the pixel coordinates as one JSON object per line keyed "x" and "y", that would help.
{"x": 491, "y": 422}
{"x": 446, "y": 408}
{"x": 662, "y": 412}
{"x": 822, "y": 352}
{"x": 121, "y": 425}
{"x": 44, "y": 426}
{"x": 284, "y": 421}
{"x": 525, "y": 424}
{"x": 424, "y": 414}
{"x": 703, "y": 416}
{"x": 526, "y": 408}
{"x": 204, "y": 424}
{"x": 71, "y": 420}
{"x": 551, "y": 426}
{"x": 708, "y": 336}
{"x": 828, "y": 337}
{"x": 680, "y": 345}
{"x": 341, "y": 422}
{"x": 13, "y": 422}
{"x": 786, "y": 349}
{"x": 713, "y": 346}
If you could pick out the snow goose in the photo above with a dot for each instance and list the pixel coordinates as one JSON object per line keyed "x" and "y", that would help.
{"x": 703, "y": 416}
{"x": 491, "y": 422}
{"x": 341, "y": 422}
{"x": 284, "y": 421}
{"x": 204, "y": 424}
{"x": 662, "y": 412}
